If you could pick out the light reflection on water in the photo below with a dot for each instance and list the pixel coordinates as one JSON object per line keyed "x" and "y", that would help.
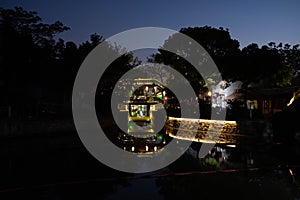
{"x": 53, "y": 168}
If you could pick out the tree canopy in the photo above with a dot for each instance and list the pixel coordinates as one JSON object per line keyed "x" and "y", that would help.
{"x": 267, "y": 66}
{"x": 34, "y": 58}
{"x": 35, "y": 65}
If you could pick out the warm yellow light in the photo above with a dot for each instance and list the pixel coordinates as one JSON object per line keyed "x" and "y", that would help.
{"x": 209, "y": 93}
{"x": 291, "y": 101}
{"x": 201, "y": 120}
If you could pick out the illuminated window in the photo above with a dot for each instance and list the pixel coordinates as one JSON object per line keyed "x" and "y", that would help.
{"x": 139, "y": 111}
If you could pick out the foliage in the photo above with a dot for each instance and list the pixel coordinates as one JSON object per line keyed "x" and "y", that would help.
{"x": 32, "y": 59}
{"x": 217, "y": 42}
{"x": 266, "y": 66}
{"x": 36, "y": 67}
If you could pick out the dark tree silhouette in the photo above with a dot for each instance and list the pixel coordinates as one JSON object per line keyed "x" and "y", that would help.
{"x": 217, "y": 42}
{"x": 27, "y": 51}
{"x": 37, "y": 69}
{"x": 291, "y": 58}
{"x": 265, "y": 66}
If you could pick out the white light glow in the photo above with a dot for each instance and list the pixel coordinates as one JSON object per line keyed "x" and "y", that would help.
{"x": 231, "y": 145}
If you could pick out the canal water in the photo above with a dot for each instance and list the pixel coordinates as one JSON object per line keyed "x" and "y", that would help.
{"x": 59, "y": 167}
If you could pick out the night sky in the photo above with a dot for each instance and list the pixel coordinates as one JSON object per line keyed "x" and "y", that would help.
{"x": 249, "y": 22}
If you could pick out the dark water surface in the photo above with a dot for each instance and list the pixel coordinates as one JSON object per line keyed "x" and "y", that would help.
{"x": 60, "y": 167}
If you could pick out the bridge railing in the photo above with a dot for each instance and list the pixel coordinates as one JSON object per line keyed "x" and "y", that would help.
{"x": 202, "y": 130}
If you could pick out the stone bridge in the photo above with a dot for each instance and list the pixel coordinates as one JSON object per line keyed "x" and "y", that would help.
{"x": 202, "y": 130}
